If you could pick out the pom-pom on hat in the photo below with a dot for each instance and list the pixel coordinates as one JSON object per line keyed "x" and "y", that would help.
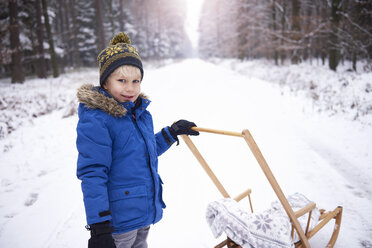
{"x": 119, "y": 52}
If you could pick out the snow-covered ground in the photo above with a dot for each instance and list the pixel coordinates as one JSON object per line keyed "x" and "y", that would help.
{"x": 327, "y": 158}
{"x": 343, "y": 92}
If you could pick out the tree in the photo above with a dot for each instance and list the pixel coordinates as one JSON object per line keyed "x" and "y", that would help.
{"x": 274, "y": 27}
{"x": 74, "y": 34}
{"x": 208, "y": 41}
{"x": 121, "y": 15}
{"x": 100, "y": 28}
{"x": 242, "y": 25}
{"x": 40, "y": 39}
{"x": 355, "y": 31}
{"x": 296, "y": 28}
{"x": 15, "y": 44}
{"x": 52, "y": 52}
{"x": 71, "y": 33}
{"x": 333, "y": 52}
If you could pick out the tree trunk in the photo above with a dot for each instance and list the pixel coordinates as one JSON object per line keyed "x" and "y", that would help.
{"x": 121, "y": 17}
{"x": 333, "y": 49}
{"x": 354, "y": 61}
{"x": 137, "y": 19}
{"x": 40, "y": 41}
{"x": 100, "y": 28}
{"x": 307, "y": 49}
{"x": 66, "y": 33}
{"x": 282, "y": 52}
{"x": 276, "y": 56}
{"x": 242, "y": 40}
{"x": 75, "y": 48}
{"x": 111, "y": 18}
{"x": 295, "y": 29}
{"x": 323, "y": 40}
{"x": 53, "y": 56}
{"x": 61, "y": 30}
{"x": 15, "y": 44}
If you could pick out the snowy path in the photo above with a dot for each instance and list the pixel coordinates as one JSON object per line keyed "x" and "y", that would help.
{"x": 326, "y": 159}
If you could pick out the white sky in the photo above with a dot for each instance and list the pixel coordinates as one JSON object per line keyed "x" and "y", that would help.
{"x": 192, "y": 20}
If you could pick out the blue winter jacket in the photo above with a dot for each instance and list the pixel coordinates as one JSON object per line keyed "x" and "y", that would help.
{"x": 118, "y": 160}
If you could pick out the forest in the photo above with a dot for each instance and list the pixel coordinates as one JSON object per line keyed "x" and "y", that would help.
{"x": 41, "y": 38}
{"x": 282, "y": 30}
{"x": 46, "y": 37}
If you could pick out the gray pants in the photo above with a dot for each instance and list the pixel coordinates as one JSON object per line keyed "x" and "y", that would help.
{"x": 132, "y": 239}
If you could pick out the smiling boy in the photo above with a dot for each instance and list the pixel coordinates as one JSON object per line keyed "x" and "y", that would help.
{"x": 118, "y": 151}
{"x": 124, "y": 83}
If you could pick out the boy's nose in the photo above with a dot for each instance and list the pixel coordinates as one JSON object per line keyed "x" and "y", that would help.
{"x": 128, "y": 87}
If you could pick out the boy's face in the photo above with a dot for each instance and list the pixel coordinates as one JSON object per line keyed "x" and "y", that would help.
{"x": 124, "y": 85}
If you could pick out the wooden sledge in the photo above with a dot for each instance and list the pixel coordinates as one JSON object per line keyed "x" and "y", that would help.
{"x": 304, "y": 236}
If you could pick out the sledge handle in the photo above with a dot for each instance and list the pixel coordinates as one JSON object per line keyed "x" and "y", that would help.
{"x": 216, "y": 131}
{"x": 268, "y": 173}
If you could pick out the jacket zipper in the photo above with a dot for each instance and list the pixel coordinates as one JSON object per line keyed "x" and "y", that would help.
{"x": 149, "y": 158}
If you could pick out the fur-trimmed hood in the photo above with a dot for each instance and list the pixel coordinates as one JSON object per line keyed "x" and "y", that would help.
{"x": 94, "y": 98}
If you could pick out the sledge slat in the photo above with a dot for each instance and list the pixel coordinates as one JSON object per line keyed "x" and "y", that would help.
{"x": 331, "y": 215}
{"x": 305, "y": 209}
{"x": 242, "y": 195}
{"x": 274, "y": 184}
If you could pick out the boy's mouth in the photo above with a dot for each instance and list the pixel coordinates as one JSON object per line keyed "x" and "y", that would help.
{"x": 128, "y": 97}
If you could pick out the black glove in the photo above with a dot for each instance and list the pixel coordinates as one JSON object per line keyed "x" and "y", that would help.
{"x": 101, "y": 235}
{"x": 182, "y": 127}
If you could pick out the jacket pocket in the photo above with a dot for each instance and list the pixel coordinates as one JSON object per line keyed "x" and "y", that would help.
{"x": 161, "y": 193}
{"x": 128, "y": 206}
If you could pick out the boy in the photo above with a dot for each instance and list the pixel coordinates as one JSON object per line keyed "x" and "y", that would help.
{"x": 118, "y": 151}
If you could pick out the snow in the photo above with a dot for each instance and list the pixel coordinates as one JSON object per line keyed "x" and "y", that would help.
{"x": 324, "y": 155}
{"x": 345, "y": 91}
{"x": 21, "y": 103}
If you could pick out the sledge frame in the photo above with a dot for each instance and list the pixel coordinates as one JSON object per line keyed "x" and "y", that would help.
{"x": 303, "y": 236}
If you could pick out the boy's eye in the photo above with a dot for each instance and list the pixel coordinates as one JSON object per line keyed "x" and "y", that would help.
{"x": 121, "y": 80}
{"x": 136, "y": 81}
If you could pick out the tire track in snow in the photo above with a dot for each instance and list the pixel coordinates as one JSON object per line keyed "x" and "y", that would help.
{"x": 358, "y": 182}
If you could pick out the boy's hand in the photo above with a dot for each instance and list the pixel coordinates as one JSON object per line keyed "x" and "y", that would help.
{"x": 182, "y": 127}
{"x": 101, "y": 235}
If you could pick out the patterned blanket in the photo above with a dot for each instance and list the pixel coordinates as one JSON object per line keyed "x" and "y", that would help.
{"x": 270, "y": 228}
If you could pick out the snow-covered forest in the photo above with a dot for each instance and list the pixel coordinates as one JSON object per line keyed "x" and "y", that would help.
{"x": 296, "y": 30}
{"x": 296, "y": 73}
{"x": 41, "y": 37}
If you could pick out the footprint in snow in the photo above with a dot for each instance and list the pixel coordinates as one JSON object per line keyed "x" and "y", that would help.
{"x": 42, "y": 173}
{"x": 366, "y": 243}
{"x": 5, "y": 182}
{"x": 359, "y": 194}
{"x": 9, "y": 216}
{"x": 349, "y": 186}
{"x": 355, "y": 192}
{"x": 32, "y": 198}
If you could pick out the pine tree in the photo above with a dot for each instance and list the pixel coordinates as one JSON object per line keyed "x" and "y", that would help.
{"x": 52, "y": 52}
{"x": 40, "y": 41}
{"x": 333, "y": 35}
{"x": 15, "y": 44}
{"x": 100, "y": 31}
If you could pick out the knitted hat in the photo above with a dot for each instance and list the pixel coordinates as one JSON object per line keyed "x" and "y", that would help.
{"x": 119, "y": 52}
